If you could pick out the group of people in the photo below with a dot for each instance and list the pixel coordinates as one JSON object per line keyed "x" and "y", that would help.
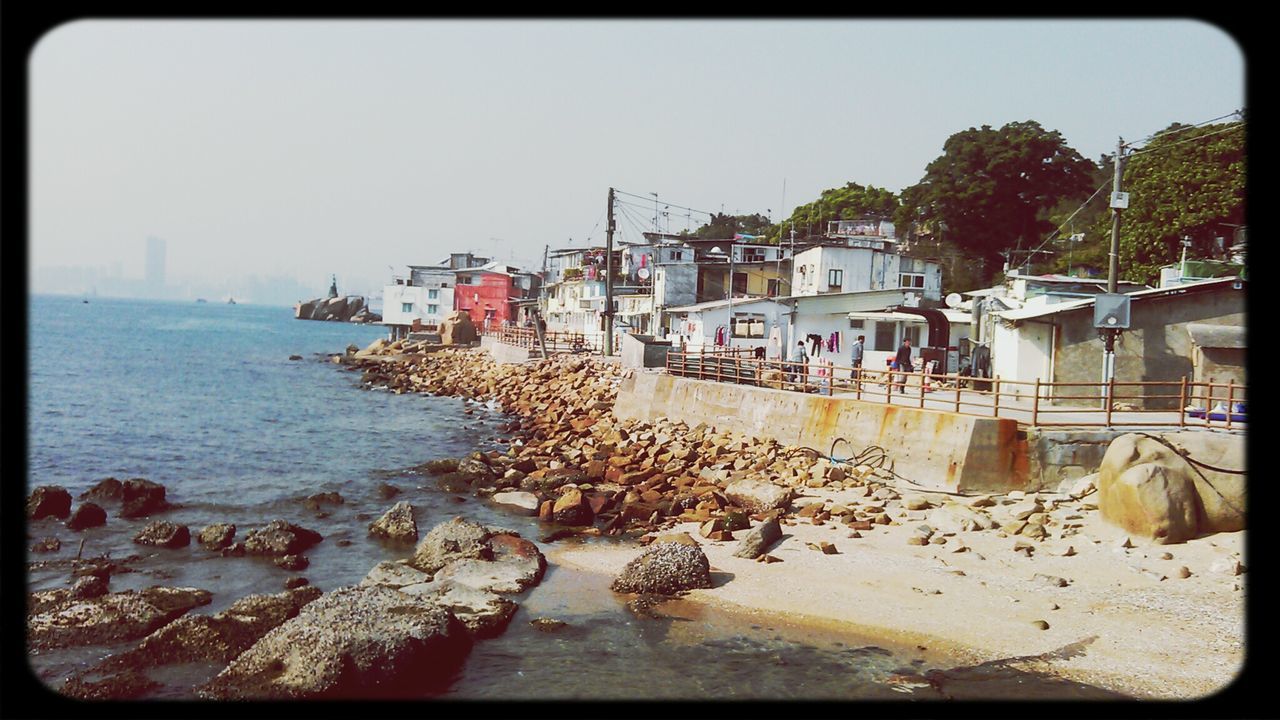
{"x": 901, "y": 361}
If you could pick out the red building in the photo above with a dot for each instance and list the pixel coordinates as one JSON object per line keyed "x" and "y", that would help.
{"x": 486, "y": 293}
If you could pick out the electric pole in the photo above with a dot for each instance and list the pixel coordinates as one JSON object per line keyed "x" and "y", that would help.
{"x": 1118, "y": 201}
{"x": 608, "y": 281}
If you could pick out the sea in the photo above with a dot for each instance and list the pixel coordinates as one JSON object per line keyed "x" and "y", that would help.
{"x": 204, "y": 398}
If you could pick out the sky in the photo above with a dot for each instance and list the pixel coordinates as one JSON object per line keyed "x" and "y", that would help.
{"x": 295, "y": 150}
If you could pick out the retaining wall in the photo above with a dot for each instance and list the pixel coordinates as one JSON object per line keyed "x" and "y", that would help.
{"x": 929, "y": 448}
{"x": 505, "y": 353}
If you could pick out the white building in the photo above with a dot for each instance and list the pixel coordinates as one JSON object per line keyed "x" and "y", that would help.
{"x": 869, "y": 264}
{"x": 422, "y": 299}
{"x": 707, "y": 325}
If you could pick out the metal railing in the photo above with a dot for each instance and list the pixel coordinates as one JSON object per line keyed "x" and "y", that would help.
{"x": 1034, "y": 403}
{"x": 557, "y": 341}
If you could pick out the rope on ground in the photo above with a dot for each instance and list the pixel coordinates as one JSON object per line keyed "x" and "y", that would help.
{"x": 1186, "y": 455}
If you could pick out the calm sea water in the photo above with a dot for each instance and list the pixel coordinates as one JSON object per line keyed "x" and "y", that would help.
{"x": 203, "y": 398}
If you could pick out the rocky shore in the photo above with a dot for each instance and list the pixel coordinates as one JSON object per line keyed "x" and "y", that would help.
{"x": 718, "y": 518}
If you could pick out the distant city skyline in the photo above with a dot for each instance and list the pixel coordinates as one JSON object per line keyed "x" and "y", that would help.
{"x": 297, "y": 149}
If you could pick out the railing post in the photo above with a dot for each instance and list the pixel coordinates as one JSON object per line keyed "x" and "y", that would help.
{"x": 995, "y": 399}
{"x": 923, "y": 380}
{"x": 1182, "y": 403}
{"x": 1035, "y": 405}
{"x": 1231, "y": 394}
{"x": 1111, "y": 393}
{"x": 957, "y": 381}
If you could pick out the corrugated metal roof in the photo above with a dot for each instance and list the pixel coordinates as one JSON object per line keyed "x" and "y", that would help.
{"x": 1217, "y": 336}
{"x": 1027, "y": 313}
{"x": 711, "y": 304}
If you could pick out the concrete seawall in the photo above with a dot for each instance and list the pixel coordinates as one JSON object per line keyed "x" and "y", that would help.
{"x": 929, "y": 448}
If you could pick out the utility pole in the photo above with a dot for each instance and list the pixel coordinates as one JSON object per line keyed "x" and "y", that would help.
{"x": 608, "y": 281}
{"x": 729, "y": 337}
{"x": 1109, "y": 334}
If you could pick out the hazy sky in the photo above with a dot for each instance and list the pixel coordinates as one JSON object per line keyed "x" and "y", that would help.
{"x": 305, "y": 148}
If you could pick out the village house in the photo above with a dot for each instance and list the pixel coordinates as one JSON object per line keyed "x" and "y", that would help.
{"x": 422, "y": 299}
{"x": 487, "y": 293}
{"x": 1058, "y": 341}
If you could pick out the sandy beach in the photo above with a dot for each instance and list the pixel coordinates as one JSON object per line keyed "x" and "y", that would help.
{"x": 1125, "y": 621}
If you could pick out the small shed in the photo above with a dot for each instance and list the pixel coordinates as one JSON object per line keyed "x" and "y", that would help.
{"x": 1218, "y": 352}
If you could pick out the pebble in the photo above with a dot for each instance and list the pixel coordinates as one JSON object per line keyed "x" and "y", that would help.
{"x": 1041, "y": 624}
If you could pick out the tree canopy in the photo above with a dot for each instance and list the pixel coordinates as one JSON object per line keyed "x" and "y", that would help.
{"x": 726, "y": 226}
{"x": 991, "y": 189}
{"x": 851, "y": 202}
{"x": 1186, "y": 182}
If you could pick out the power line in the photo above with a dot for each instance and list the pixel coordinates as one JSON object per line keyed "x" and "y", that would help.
{"x": 1167, "y": 133}
{"x": 1229, "y": 128}
{"x": 647, "y": 199}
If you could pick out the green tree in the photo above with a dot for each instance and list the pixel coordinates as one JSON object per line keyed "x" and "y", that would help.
{"x": 851, "y": 202}
{"x": 990, "y": 190}
{"x": 726, "y": 226}
{"x": 1184, "y": 183}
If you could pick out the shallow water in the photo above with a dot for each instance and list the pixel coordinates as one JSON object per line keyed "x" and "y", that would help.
{"x": 203, "y": 399}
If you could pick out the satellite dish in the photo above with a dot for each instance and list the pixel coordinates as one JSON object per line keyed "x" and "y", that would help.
{"x": 643, "y": 273}
{"x": 953, "y": 300}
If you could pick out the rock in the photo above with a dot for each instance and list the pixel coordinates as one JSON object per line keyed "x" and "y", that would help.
{"x": 124, "y": 685}
{"x": 665, "y": 569}
{"x": 955, "y": 517}
{"x": 484, "y": 614}
{"x": 1051, "y": 580}
{"x": 755, "y": 496}
{"x": 216, "y": 536}
{"x": 355, "y": 642}
{"x": 296, "y": 582}
{"x": 141, "y": 497}
{"x": 87, "y": 515}
{"x": 523, "y": 502}
{"x": 386, "y": 491}
{"x": 916, "y": 502}
{"x": 279, "y": 537}
{"x": 440, "y": 467}
{"x": 89, "y": 587}
{"x": 514, "y": 565}
{"x": 1040, "y": 624}
{"x": 48, "y": 501}
{"x": 1182, "y": 572}
{"x": 60, "y": 620}
{"x": 163, "y": 533}
{"x": 759, "y": 539}
{"x": 824, "y": 547}
{"x": 683, "y": 538}
{"x": 292, "y": 563}
{"x": 1150, "y": 490}
{"x": 571, "y": 509}
{"x": 1226, "y": 566}
{"x": 397, "y": 524}
{"x": 46, "y": 545}
{"x": 392, "y": 574}
{"x": 109, "y": 489}
{"x": 314, "y": 502}
{"x": 454, "y": 539}
{"x": 548, "y": 624}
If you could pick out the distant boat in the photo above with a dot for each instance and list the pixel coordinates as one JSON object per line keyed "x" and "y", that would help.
{"x": 200, "y": 300}
{"x": 231, "y": 301}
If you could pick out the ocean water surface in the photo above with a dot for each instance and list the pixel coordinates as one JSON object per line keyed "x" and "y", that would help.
{"x": 204, "y": 399}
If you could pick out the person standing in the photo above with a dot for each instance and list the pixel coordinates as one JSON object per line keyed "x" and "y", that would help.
{"x": 798, "y": 360}
{"x": 856, "y": 356}
{"x": 903, "y": 358}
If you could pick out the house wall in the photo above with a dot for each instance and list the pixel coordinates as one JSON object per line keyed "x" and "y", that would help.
{"x": 1156, "y": 347}
{"x": 394, "y": 296}
{"x": 698, "y": 329}
{"x": 491, "y": 293}
{"x": 1219, "y": 365}
{"x": 1021, "y": 354}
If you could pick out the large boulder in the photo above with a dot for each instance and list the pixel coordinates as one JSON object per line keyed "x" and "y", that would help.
{"x": 87, "y": 515}
{"x": 572, "y": 508}
{"x": 57, "y": 619}
{"x": 163, "y": 533}
{"x": 757, "y": 496}
{"x": 366, "y": 642}
{"x": 665, "y": 568}
{"x": 1151, "y": 490}
{"x": 457, "y": 329}
{"x": 217, "y": 536}
{"x": 451, "y": 540}
{"x": 396, "y": 524}
{"x": 955, "y": 517}
{"x": 279, "y": 538}
{"x": 49, "y": 501}
{"x": 141, "y": 497}
{"x": 514, "y": 565}
{"x": 525, "y": 503}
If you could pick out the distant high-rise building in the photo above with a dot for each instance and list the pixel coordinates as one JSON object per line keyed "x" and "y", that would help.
{"x": 155, "y": 266}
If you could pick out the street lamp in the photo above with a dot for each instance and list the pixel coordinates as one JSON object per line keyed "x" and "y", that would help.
{"x": 717, "y": 251}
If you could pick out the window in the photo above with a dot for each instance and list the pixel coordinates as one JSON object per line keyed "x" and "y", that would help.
{"x": 433, "y": 309}
{"x": 740, "y": 283}
{"x": 748, "y": 325}
{"x": 884, "y": 336}
{"x": 464, "y": 279}
{"x": 911, "y": 280}
{"x": 772, "y": 289}
{"x": 912, "y": 333}
{"x": 433, "y": 294}
{"x": 857, "y": 324}
{"x": 835, "y": 278}
{"x": 444, "y": 284}
{"x": 406, "y": 307}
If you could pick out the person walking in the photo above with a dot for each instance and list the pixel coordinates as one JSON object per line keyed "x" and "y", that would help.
{"x": 903, "y": 359}
{"x": 856, "y": 357}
